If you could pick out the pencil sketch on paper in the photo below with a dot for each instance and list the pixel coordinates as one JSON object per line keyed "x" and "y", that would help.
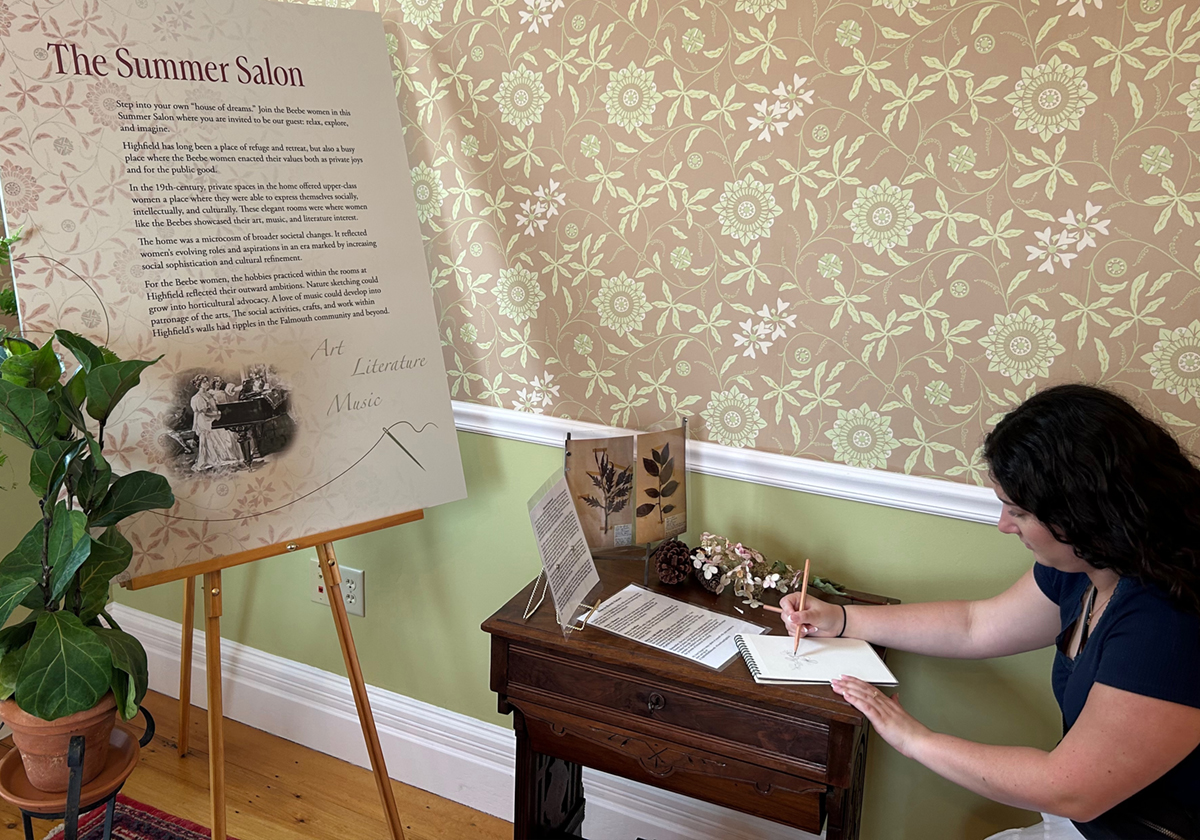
{"x": 220, "y": 423}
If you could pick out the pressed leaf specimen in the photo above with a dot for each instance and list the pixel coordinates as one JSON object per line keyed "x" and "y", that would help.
{"x": 614, "y": 484}
{"x": 662, "y": 467}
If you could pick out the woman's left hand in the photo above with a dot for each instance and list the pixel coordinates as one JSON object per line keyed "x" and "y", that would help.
{"x": 894, "y": 725}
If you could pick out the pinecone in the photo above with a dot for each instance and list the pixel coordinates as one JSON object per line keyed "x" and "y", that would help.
{"x": 672, "y": 561}
{"x": 712, "y": 584}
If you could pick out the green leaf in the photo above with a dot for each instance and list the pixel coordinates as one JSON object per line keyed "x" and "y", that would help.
{"x": 25, "y": 561}
{"x": 10, "y": 668}
{"x": 88, "y": 354}
{"x": 39, "y": 369}
{"x": 67, "y": 399}
{"x": 70, "y": 546}
{"x": 93, "y": 476}
{"x": 129, "y": 658}
{"x": 26, "y": 414}
{"x": 16, "y": 346}
{"x": 132, "y": 494}
{"x": 67, "y": 668}
{"x": 669, "y": 488}
{"x": 12, "y": 594}
{"x": 109, "y": 557}
{"x": 49, "y": 465}
{"x": 14, "y": 637}
{"x": 108, "y": 383}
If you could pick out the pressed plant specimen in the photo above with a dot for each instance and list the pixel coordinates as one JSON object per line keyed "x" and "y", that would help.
{"x": 661, "y": 466}
{"x": 614, "y": 484}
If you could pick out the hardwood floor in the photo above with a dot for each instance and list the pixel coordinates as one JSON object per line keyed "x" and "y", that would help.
{"x": 277, "y": 790}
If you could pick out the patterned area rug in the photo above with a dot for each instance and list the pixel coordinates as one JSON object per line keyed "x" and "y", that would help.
{"x": 135, "y": 821}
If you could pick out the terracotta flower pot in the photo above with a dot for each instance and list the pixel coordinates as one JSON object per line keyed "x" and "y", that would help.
{"x": 44, "y": 743}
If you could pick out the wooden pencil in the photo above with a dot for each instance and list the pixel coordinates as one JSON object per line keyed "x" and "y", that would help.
{"x": 803, "y": 595}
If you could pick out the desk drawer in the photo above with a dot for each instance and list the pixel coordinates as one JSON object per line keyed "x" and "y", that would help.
{"x": 718, "y": 779}
{"x": 705, "y": 720}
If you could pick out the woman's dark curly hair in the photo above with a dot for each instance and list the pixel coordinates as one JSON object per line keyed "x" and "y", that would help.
{"x": 1106, "y": 480}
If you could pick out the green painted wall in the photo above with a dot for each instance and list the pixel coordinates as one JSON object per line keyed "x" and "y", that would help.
{"x": 430, "y": 584}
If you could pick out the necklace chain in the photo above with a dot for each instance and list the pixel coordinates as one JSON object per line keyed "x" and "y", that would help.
{"x": 1093, "y": 606}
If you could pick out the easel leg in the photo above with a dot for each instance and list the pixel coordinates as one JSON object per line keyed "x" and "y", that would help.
{"x": 216, "y": 718}
{"x": 185, "y": 665}
{"x": 333, "y": 580}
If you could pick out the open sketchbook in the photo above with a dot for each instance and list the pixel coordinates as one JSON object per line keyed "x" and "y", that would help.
{"x": 771, "y": 660}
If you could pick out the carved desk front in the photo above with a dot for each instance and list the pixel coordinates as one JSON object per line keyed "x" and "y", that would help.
{"x": 793, "y": 754}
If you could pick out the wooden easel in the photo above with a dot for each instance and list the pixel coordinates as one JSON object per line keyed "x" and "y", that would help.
{"x": 211, "y": 570}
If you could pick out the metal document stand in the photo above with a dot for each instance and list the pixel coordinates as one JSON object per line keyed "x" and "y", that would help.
{"x": 123, "y": 754}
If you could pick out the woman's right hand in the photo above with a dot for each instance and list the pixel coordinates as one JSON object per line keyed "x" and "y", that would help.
{"x": 816, "y": 619}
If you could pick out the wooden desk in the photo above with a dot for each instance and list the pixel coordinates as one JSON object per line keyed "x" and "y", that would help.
{"x": 792, "y": 754}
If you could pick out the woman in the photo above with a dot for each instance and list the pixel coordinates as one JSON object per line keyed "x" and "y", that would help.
{"x": 215, "y": 448}
{"x": 1109, "y": 505}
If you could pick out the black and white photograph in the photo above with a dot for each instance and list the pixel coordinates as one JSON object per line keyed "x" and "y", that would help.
{"x": 225, "y": 422}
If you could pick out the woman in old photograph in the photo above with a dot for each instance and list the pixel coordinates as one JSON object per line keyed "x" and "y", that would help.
{"x": 215, "y": 448}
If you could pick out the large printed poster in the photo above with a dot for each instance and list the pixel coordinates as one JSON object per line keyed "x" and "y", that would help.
{"x": 224, "y": 184}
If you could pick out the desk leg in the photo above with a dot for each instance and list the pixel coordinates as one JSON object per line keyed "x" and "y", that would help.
{"x": 549, "y": 793}
{"x": 845, "y": 808}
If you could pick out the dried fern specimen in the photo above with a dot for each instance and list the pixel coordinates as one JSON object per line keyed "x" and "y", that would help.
{"x": 614, "y": 483}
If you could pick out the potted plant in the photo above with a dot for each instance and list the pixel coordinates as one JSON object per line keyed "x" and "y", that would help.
{"x": 66, "y": 668}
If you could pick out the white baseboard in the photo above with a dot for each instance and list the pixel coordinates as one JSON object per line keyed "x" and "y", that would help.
{"x": 452, "y": 755}
{"x": 876, "y": 487}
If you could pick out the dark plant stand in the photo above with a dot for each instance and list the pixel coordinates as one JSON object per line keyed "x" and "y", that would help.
{"x": 123, "y": 754}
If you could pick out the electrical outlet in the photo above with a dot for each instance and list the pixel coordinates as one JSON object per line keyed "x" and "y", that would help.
{"x": 354, "y": 588}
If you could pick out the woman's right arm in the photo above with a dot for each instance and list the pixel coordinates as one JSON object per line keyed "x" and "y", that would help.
{"x": 1019, "y": 619}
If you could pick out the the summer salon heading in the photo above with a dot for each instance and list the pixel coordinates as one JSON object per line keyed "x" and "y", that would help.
{"x": 72, "y": 60}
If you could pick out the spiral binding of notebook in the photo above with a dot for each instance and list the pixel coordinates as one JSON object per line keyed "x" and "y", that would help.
{"x": 748, "y": 656}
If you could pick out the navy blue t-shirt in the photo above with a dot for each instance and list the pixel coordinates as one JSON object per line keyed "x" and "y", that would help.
{"x": 1141, "y": 643}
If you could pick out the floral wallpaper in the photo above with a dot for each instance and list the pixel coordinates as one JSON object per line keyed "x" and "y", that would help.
{"x": 834, "y": 230}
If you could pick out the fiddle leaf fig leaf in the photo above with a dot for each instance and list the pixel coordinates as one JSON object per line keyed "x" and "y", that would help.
{"x": 67, "y": 668}
{"x": 128, "y": 659}
{"x": 10, "y": 668}
{"x": 12, "y": 594}
{"x": 24, "y": 561}
{"x": 94, "y": 477}
{"x": 108, "y": 383}
{"x": 110, "y": 555}
{"x": 70, "y": 546}
{"x": 124, "y": 691}
{"x": 27, "y": 414}
{"x": 132, "y": 494}
{"x": 68, "y": 399}
{"x": 16, "y": 636}
{"x": 49, "y": 465}
{"x": 14, "y": 345}
{"x": 88, "y": 354}
{"x": 39, "y": 369}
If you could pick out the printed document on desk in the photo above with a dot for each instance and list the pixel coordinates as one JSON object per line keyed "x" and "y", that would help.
{"x": 677, "y": 627}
